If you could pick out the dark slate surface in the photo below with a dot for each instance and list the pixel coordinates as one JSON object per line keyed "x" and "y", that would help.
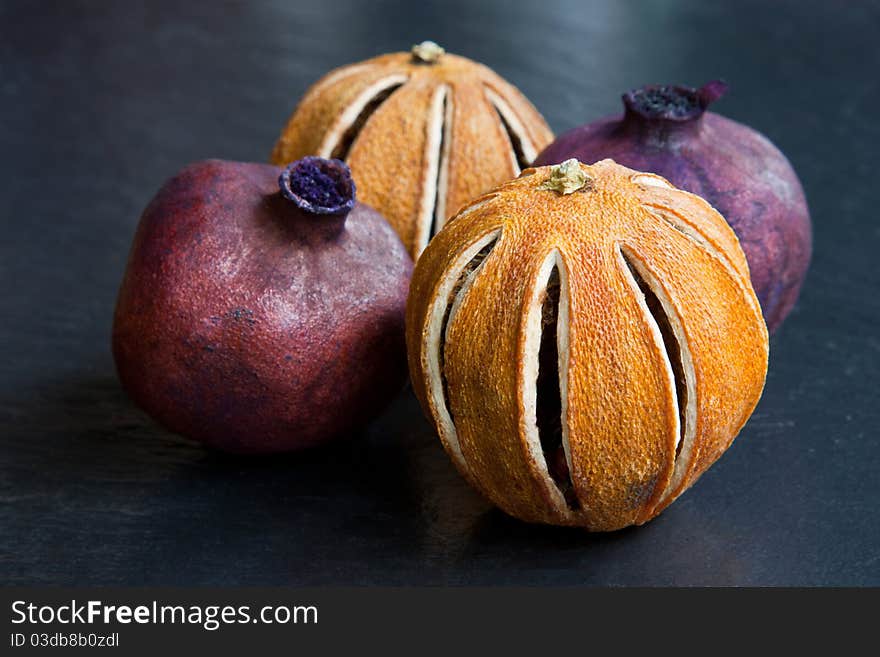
{"x": 100, "y": 102}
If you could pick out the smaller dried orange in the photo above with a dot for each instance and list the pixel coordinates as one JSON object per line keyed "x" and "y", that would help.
{"x": 423, "y": 132}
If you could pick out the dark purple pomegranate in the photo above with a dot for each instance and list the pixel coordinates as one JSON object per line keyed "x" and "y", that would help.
{"x": 666, "y": 130}
{"x": 262, "y": 309}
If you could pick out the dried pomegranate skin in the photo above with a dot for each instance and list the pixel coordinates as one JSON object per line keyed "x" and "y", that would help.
{"x": 735, "y": 168}
{"x": 252, "y": 326}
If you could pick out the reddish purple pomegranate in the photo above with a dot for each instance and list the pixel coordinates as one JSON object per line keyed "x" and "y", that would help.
{"x": 262, "y": 309}
{"x": 666, "y": 130}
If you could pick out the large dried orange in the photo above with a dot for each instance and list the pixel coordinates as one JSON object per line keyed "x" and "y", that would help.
{"x": 587, "y": 341}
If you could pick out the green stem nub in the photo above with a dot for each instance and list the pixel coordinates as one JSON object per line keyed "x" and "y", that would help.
{"x": 567, "y": 178}
{"x": 427, "y": 52}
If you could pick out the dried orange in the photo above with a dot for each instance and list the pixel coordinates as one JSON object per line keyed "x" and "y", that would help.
{"x": 587, "y": 341}
{"x": 423, "y": 132}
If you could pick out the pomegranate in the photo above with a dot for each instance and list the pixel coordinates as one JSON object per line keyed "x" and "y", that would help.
{"x": 667, "y": 130}
{"x": 262, "y": 309}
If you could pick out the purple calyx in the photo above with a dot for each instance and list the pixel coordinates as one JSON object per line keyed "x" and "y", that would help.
{"x": 318, "y": 185}
{"x": 672, "y": 103}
